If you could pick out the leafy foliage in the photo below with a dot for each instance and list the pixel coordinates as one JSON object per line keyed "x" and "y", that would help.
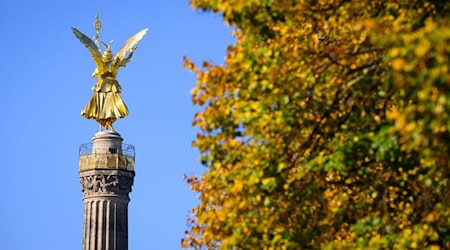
{"x": 327, "y": 127}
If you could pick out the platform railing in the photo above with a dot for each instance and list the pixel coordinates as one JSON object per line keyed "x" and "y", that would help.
{"x": 112, "y": 160}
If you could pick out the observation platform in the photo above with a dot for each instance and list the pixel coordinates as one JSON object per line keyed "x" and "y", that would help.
{"x": 106, "y": 151}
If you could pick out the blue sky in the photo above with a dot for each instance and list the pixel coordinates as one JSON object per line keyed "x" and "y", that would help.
{"x": 46, "y": 81}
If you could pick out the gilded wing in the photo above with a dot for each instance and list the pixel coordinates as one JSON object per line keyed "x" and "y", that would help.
{"x": 93, "y": 49}
{"x": 129, "y": 45}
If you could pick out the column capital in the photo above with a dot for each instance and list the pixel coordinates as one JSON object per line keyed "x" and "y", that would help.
{"x": 106, "y": 182}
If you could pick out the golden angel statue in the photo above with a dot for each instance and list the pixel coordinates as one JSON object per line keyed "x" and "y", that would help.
{"x": 106, "y": 105}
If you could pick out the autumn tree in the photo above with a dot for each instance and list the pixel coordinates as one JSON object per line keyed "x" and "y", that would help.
{"x": 327, "y": 127}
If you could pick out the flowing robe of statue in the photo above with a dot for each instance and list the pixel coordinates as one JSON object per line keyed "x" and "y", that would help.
{"x": 106, "y": 105}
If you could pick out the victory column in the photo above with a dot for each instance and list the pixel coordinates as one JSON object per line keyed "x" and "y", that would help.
{"x": 106, "y": 164}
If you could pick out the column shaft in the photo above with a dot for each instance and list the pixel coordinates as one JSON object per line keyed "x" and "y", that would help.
{"x": 106, "y": 208}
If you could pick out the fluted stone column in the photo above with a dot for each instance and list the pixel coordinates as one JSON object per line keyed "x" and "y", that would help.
{"x": 106, "y": 177}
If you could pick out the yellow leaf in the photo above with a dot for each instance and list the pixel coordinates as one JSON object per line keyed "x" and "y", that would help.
{"x": 237, "y": 187}
{"x": 423, "y": 47}
{"x": 392, "y": 114}
{"x": 410, "y": 127}
{"x": 398, "y": 64}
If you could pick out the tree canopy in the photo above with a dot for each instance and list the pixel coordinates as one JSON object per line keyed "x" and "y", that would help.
{"x": 327, "y": 127}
